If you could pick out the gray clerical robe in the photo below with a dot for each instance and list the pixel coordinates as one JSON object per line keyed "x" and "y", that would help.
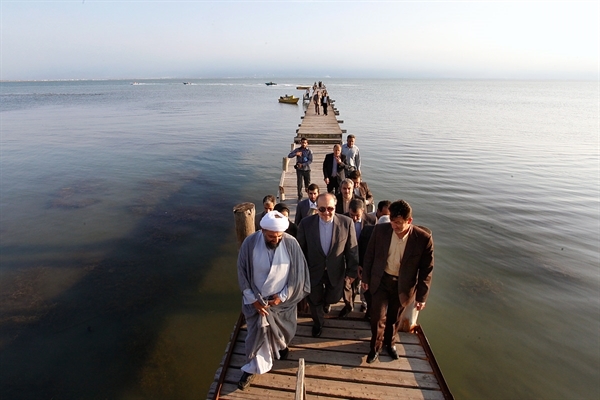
{"x": 282, "y": 318}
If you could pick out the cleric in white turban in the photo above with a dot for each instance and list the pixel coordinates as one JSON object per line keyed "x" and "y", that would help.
{"x": 273, "y": 278}
{"x": 274, "y": 221}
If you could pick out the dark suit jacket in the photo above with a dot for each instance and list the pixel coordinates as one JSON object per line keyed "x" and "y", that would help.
{"x": 301, "y": 210}
{"x": 366, "y": 220}
{"x": 328, "y": 167}
{"x": 363, "y": 242}
{"x": 342, "y": 259}
{"x": 365, "y": 192}
{"x": 257, "y": 220}
{"x": 416, "y": 266}
{"x": 292, "y": 229}
{"x": 339, "y": 206}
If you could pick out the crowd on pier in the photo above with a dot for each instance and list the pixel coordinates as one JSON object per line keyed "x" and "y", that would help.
{"x": 334, "y": 249}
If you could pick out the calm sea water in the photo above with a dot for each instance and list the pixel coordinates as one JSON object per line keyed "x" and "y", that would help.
{"x": 117, "y": 250}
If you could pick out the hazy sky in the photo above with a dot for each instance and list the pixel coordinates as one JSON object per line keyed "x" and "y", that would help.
{"x": 203, "y": 39}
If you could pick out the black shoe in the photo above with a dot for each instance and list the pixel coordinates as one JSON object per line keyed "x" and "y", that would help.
{"x": 363, "y": 307}
{"x": 283, "y": 354}
{"x": 373, "y": 355}
{"x": 391, "y": 350}
{"x": 245, "y": 380}
{"x": 317, "y": 330}
{"x": 326, "y": 308}
{"x": 344, "y": 311}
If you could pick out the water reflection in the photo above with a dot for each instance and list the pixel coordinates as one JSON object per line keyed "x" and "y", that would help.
{"x": 133, "y": 321}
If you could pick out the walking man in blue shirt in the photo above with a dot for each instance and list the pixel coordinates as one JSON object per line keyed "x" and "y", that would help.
{"x": 304, "y": 157}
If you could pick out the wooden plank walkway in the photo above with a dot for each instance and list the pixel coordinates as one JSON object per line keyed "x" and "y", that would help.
{"x": 336, "y": 366}
{"x": 335, "y": 363}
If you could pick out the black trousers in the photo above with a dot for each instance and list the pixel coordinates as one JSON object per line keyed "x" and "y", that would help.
{"x": 302, "y": 176}
{"x": 323, "y": 293}
{"x": 385, "y": 312}
{"x": 333, "y": 185}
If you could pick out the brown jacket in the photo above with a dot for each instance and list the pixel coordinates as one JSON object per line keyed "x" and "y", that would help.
{"x": 416, "y": 266}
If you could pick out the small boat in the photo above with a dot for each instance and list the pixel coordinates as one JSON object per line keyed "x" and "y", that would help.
{"x": 187, "y": 83}
{"x": 270, "y": 83}
{"x": 303, "y": 87}
{"x": 289, "y": 99}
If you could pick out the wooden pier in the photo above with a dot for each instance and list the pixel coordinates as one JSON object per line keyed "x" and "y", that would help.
{"x": 334, "y": 365}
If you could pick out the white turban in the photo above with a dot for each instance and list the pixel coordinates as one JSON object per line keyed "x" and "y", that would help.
{"x": 274, "y": 221}
{"x": 383, "y": 219}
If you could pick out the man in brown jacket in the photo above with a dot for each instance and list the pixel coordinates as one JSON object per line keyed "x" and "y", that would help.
{"x": 397, "y": 269}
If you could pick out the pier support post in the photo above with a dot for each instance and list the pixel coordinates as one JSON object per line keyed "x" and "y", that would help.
{"x": 244, "y": 215}
{"x": 284, "y": 164}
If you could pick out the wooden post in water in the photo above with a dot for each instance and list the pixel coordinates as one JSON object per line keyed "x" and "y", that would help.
{"x": 244, "y": 215}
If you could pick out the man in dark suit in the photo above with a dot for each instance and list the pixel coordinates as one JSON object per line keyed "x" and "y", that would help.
{"x": 345, "y": 196}
{"x": 305, "y": 205}
{"x": 328, "y": 241}
{"x": 360, "y": 218}
{"x": 361, "y": 188}
{"x": 397, "y": 269}
{"x": 334, "y": 167}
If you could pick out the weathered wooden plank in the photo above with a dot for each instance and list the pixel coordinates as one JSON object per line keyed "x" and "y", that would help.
{"x": 230, "y": 390}
{"x": 354, "y": 346}
{"x": 330, "y": 333}
{"x": 350, "y": 390}
{"x": 355, "y": 360}
{"x": 360, "y": 326}
{"x": 281, "y": 386}
{"x": 358, "y": 375}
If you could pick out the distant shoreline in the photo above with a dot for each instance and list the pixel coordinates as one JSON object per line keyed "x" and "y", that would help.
{"x": 297, "y": 78}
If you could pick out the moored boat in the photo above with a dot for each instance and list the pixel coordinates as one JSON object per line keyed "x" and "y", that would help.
{"x": 270, "y": 83}
{"x": 289, "y": 99}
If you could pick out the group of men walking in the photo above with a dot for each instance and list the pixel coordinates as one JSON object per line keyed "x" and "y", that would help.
{"x": 337, "y": 245}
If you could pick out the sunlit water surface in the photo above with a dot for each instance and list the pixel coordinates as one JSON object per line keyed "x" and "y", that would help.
{"x": 117, "y": 252}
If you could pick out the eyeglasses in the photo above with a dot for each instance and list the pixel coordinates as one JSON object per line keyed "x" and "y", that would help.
{"x": 323, "y": 209}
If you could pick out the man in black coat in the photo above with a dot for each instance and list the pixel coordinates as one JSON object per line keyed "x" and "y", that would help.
{"x": 361, "y": 219}
{"x": 334, "y": 167}
{"x": 328, "y": 241}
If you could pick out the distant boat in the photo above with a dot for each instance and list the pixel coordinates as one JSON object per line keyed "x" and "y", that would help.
{"x": 187, "y": 83}
{"x": 289, "y": 99}
{"x": 270, "y": 83}
{"x": 135, "y": 83}
{"x": 303, "y": 87}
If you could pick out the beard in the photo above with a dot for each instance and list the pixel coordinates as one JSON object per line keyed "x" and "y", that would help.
{"x": 272, "y": 245}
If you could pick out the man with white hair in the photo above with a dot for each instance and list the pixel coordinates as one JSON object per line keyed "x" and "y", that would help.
{"x": 273, "y": 277}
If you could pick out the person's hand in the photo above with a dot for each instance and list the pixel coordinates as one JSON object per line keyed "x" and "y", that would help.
{"x": 326, "y": 181}
{"x": 298, "y": 154}
{"x": 275, "y": 300}
{"x": 419, "y": 306}
{"x": 364, "y": 286}
{"x": 349, "y": 280}
{"x": 262, "y": 310}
